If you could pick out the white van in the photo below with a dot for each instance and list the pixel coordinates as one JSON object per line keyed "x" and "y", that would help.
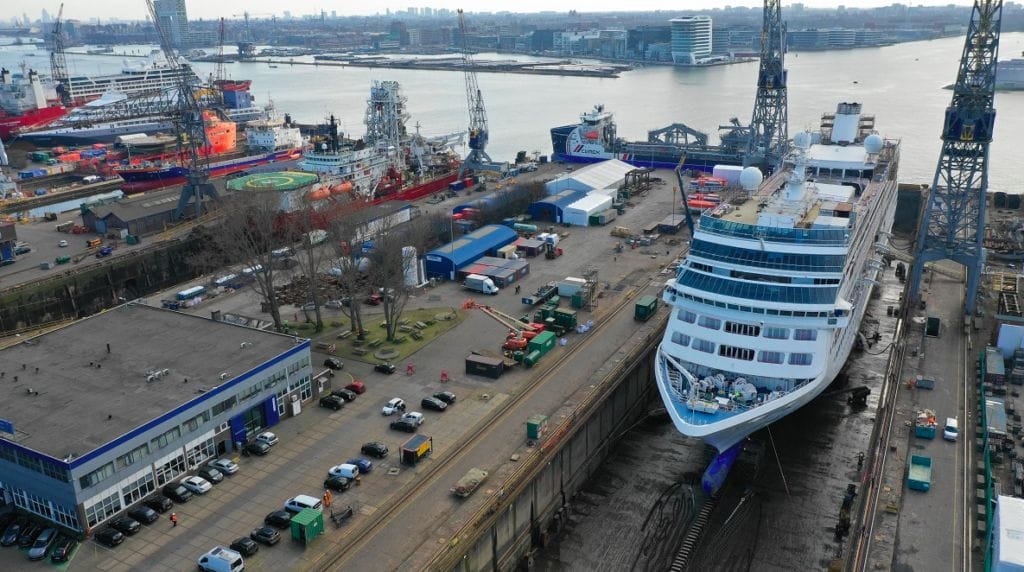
{"x": 300, "y": 502}
{"x": 952, "y": 429}
{"x": 221, "y": 559}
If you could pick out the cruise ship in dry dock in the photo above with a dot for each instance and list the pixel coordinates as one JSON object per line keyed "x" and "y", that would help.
{"x": 769, "y": 300}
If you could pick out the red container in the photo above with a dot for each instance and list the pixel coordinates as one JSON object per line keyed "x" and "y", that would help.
{"x": 468, "y": 181}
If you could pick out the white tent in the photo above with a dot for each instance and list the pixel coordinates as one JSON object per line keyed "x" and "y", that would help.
{"x": 579, "y": 212}
{"x": 610, "y": 173}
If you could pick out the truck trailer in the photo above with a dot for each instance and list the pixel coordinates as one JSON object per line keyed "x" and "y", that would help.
{"x": 482, "y": 284}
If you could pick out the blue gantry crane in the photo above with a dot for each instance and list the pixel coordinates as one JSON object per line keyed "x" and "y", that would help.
{"x": 191, "y": 128}
{"x": 768, "y": 127}
{"x": 953, "y": 224}
{"x": 478, "y": 159}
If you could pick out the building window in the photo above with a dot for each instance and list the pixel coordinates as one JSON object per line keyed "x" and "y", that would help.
{"x": 96, "y": 476}
{"x": 776, "y": 333}
{"x": 709, "y": 322}
{"x": 805, "y": 335}
{"x": 703, "y": 346}
{"x": 172, "y": 435}
{"x": 199, "y": 452}
{"x": 742, "y": 329}
{"x": 224, "y": 406}
{"x": 249, "y": 393}
{"x": 305, "y": 389}
{"x": 55, "y": 471}
{"x": 687, "y": 316}
{"x": 103, "y": 509}
{"x": 681, "y": 339}
{"x": 771, "y": 357}
{"x": 30, "y": 462}
{"x": 138, "y": 489}
{"x": 800, "y": 359}
{"x": 133, "y": 456}
{"x": 735, "y": 352}
{"x": 66, "y": 516}
{"x": 196, "y": 422}
{"x": 7, "y": 454}
{"x": 172, "y": 468}
{"x": 280, "y": 400}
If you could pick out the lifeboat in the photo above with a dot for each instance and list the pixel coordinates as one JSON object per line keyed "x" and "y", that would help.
{"x": 341, "y": 188}
{"x": 319, "y": 194}
{"x": 700, "y": 205}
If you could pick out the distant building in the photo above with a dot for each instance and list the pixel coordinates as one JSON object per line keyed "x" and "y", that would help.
{"x": 172, "y": 20}
{"x": 691, "y": 39}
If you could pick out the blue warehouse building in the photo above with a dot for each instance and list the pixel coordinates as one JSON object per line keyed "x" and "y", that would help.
{"x": 552, "y": 208}
{"x": 99, "y": 414}
{"x": 444, "y": 262}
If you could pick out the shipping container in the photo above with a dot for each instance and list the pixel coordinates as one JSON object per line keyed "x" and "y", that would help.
{"x": 191, "y": 293}
{"x": 457, "y": 186}
{"x": 416, "y": 448}
{"x": 542, "y": 342}
{"x": 645, "y": 308}
{"x": 536, "y": 426}
{"x": 484, "y": 366}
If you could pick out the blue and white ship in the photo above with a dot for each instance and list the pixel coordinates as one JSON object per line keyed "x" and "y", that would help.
{"x": 769, "y": 300}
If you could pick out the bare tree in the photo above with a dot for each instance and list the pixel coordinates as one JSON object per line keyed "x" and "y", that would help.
{"x": 247, "y": 235}
{"x": 311, "y": 256}
{"x": 344, "y": 232}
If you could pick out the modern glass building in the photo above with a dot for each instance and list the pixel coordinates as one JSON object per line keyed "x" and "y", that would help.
{"x": 691, "y": 39}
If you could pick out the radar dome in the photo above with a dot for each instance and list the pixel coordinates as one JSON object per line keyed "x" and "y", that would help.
{"x": 802, "y": 140}
{"x": 750, "y": 178}
{"x": 873, "y": 143}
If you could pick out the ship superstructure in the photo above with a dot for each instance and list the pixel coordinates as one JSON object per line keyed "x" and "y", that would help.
{"x": 152, "y": 75}
{"x": 768, "y": 302}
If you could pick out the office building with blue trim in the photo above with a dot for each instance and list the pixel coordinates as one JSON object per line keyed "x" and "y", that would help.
{"x": 98, "y": 414}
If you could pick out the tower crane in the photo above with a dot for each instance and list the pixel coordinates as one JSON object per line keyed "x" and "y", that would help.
{"x": 58, "y": 62}
{"x": 191, "y": 129}
{"x": 478, "y": 159}
{"x": 218, "y": 74}
{"x": 768, "y": 126}
{"x": 953, "y": 225}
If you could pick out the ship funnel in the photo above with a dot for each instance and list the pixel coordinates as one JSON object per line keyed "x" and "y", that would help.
{"x": 847, "y": 122}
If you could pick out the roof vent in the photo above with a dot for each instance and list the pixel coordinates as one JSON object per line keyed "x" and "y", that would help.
{"x": 224, "y": 375}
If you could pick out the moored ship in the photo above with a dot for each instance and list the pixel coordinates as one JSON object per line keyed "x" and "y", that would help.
{"x": 768, "y": 303}
{"x": 27, "y": 101}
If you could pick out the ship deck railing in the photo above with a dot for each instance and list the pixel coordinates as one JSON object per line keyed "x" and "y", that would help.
{"x": 827, "y": 237}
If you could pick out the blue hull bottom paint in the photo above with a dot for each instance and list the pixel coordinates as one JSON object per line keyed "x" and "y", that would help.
{"x": 718, "y": 470}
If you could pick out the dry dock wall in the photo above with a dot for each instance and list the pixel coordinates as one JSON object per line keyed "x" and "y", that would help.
{"x": 528, "y": 509}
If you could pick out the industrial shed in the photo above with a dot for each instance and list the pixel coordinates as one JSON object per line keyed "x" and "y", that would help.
{"x": 551, "y": 208}
{"x": 593, "y": 177}
{"x": 578, "y": 213}
{"x": 445, "y": 261}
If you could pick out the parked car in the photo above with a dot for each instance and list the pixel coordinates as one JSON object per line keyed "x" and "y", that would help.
{"x": 13, "y": 531}
{"x": 433, "y": 404}
{"x": 356, "y": 387}
{"x": 143, "y": 514}
{"x": 63, "y": 548}
{"x": 299, "y": 503}
{"x": 258, "y": 448}
{"x": 266, "y": 535}
{"x": 334, "y": 402}
{"x": 225, "y": 466}
{"x": 221, "y": 559}
{"x": 42, "y": 544}
{"x": 62, "y": 243}
{"x": 346, "y": 394}
{"x": 159, "y": 503}
{"x": 386, "y": 367}
{"x": 413, "y": 416}
{"x": 268, "y": 438}
{"x": 176, "y": 492}
{"x": 446, "y": 396}
{"x": 279, "y": 518}
{"x": 245, "y": 546}
{"x": 21, "y": 250}
{"x": 211, "y": 474}
{"x": 344, "y": 470}
{"x": 197, "y": 485}
{"x": 404, "y": 425}
{"x": 338, "y": 483}
{"x": 338, "y": 304}
{"x": 374, "y": 449}
{"x": 333, "y": 363}
{"x": 109, "y": 537}
{"x": 393, "y": 406}
{"x": 126, "y": 524}
{"x": 365, "y": 465}
{"x": 28, "y": 534}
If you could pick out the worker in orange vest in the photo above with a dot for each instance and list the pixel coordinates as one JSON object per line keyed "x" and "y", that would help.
{"x": 328, "y": 497}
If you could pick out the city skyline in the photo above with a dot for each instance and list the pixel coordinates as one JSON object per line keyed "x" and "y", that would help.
{"x": 135, "y": 9}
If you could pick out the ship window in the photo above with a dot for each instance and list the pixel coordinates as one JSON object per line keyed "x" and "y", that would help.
{"x": 681, "y": 339}
{"x": 742, "y": 329}
{"x": 710, "y": 323}
{"x": 703, "y": 346}
{"x": 776, "y": 333}
{"x": 687, "y": 316}
{"x": 805, "y": 335}
{"x": 759, "y": 310}
{"x": 735, "y": 352}
{"x": 771, "y": 357}
{"x": 785, "y": 313}
{"x": 773, "y": 312}
{"x": 701, "y": 267}
{"x": 800, "y": 359}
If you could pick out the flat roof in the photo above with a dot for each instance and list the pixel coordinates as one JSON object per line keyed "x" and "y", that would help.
{"x": 471, "y": 246}
{"x": 83, "y": 396}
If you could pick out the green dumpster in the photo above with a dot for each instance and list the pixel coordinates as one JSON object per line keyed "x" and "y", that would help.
{"x": 536, "y": 426}
{"x": 307, "y": 525}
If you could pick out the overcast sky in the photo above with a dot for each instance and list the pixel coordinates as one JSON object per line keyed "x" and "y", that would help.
{"x": 135, "y": 9}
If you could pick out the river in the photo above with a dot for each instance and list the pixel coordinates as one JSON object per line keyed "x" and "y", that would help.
{"x": 901, "y": 85}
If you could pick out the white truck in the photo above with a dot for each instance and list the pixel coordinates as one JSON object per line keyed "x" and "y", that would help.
{"x": 482, "y": 284}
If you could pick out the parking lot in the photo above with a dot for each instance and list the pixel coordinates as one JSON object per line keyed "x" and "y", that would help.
{"x": 319, "y": 438}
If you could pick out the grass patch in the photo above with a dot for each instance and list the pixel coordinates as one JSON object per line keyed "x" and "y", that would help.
{"x": 347, "y": 348}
